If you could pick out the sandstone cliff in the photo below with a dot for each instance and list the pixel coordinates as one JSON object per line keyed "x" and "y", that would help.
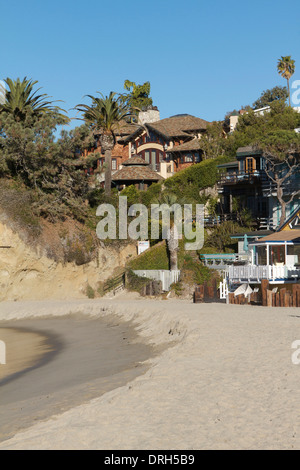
{"x": 28, "y": 272}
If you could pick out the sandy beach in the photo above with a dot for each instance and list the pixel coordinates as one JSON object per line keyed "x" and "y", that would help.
{"x": 225, "y": 381}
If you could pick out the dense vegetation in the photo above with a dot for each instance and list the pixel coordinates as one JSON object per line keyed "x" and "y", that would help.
{"x": 45, "y": 177}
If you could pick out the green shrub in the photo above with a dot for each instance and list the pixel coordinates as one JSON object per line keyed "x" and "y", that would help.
{"x": 90, "y": 292}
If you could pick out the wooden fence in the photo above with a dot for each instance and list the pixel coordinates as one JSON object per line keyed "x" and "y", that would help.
{"x": 207, "y": 292}
{"x": 283, "y": 297}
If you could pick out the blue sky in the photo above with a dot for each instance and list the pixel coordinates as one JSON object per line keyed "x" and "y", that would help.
{"x": 204, "y": 58}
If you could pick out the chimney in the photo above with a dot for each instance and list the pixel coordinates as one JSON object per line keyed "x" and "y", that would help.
{"x": 148, "y": 116}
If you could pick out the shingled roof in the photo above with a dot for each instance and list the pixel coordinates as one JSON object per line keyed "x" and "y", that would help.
{"x": 175, "y": 126}
{"x": 135, "y": 161}
{"x": 185, "y": 147}
{"x": 179, "y": 126}
{"x": 136, "y": 169}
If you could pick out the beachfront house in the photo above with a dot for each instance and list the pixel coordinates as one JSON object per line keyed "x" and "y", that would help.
{"x": 275, "y": 257}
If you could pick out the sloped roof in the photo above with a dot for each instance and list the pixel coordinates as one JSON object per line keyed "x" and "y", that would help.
{"x": 248, "y": 150}
{"x": 283, "y": 236}
{"x": 185, "y": 147}
{"x": 178, "y": 126}
{"x": 175, "y": 126}
{"x": 135, "y": 170}
{"x": 290, "y": 219}
{"x": 135, "y": 161}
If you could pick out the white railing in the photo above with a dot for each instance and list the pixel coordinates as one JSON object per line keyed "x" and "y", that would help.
{"x": 257, "y": 273}
{"x": 165, "y": 276}
{"x": 223, "y": 286}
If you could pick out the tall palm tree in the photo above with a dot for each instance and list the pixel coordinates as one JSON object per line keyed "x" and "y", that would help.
{"x": 20, "y": 99}
{"x": 173, "y": 236}
{"x": 105, "y": 114}
{"x": 286, "y": 68}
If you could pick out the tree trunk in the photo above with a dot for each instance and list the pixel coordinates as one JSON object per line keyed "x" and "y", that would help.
{"x": 288, "y": 84}
{"x": 107, "y": 144}
{"x": 107, "y": 183}
{"x": 172, "y": 242}
{"x": 282, "y": 204}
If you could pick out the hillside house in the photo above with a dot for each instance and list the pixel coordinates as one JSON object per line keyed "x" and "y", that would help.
{"x": 135, "y": 171}
{"x": 167, "y": 145}
{"x": 247, "y": 181}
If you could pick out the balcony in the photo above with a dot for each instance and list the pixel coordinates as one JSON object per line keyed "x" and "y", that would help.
{"x": 254, "y": 274}
{"x": 241, "y": 177}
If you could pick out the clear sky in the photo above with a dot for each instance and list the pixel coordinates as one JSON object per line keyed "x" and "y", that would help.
{"x": 203, "y": 58}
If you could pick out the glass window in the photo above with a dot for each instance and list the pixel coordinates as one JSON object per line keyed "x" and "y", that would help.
{"x": 277, "y": 253}
{"x": 294, "y": 250}
{"x": 261, "y": 255}
{"x": 197, "y": 158}
{"x": 189, "y": 158}
{"x": 114, "y": 164}
{"x": 147, "y": 156}
{"x": 153, "y": 159}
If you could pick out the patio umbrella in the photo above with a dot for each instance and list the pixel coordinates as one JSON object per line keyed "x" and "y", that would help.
{"x": 245, "y": 246}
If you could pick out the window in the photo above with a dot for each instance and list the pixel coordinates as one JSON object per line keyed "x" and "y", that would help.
{"x": 147, "y": 156}
{"x": 197, "y": 158}
{"x": 261, "y": 255}
{"x": 153, "y": 159}
{"x": 277, "y": 254}
{"x": 294, "y": 251}
{"x": 189, "y": 158}
{"x": 250, "y": 165}
{"x": 114, "y": 164}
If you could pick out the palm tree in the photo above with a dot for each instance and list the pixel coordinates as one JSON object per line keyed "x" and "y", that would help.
{"x": 20, "y": 100}
{"x": 173, "y": 236}
{"x": 286, "y": 68}
{"x": 105, "y": 114}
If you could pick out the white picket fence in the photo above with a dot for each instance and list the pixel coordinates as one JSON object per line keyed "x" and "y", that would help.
{"x": 165, "y": 276}
{"x": 223, "y": 289}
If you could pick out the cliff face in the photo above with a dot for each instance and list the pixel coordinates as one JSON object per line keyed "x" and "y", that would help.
{"x": 26, "y": 273}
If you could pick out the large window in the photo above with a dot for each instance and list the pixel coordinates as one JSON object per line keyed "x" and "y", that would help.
{"x": 261, "y": 255}
{"x": 277, "y": 253}
{"x": 294, "y": 251}
{"x": 114, "y": 164}
{"x": 153, "y": 159}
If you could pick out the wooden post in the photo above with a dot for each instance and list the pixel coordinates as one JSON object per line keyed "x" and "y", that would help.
{"x": 269, "y": 298}
{"x": 264, "y": 288}
{"x": 282, "y": 297}
{"x": 277, "y": 299}
{"x": 287, "y": 299}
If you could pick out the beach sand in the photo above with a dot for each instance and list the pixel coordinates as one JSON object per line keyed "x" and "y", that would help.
{"x": 23, "y": 350}
{"x": 226, "y": 381}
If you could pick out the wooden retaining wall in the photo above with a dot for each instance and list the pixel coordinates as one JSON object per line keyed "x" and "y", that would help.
{"x": 284, "y": 297}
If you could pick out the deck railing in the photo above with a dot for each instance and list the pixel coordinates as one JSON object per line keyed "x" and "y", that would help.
{"x": 253, "y": 273}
